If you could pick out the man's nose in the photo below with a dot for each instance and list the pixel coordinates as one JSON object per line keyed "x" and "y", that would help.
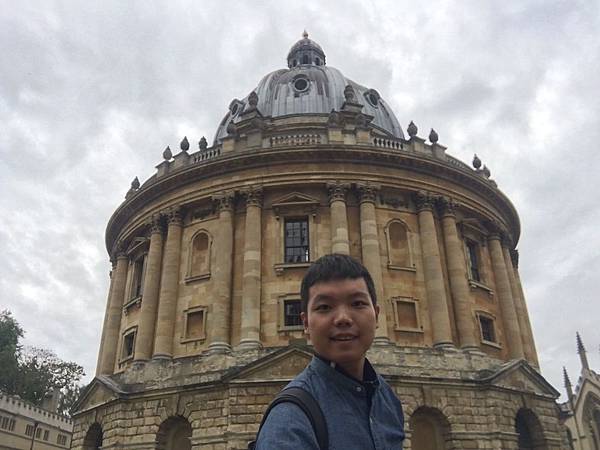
{"x": 343, "y": 316}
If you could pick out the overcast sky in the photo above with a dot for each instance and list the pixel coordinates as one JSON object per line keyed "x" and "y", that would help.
{"x": 92, "y": 92}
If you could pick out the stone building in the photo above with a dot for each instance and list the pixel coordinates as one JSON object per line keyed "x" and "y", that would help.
{"x": 24, "y": 426}
{"x": 202, "y": 323}
{"x": 581, "y": 412}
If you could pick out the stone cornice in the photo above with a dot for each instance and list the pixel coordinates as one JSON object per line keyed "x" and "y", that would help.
{"x": 325, "y": 153}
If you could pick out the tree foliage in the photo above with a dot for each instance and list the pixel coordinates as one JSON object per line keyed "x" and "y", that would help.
{"x": 34, "y": 373}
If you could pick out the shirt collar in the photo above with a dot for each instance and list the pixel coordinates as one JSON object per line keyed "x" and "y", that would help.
{"x": 328, "y": 368}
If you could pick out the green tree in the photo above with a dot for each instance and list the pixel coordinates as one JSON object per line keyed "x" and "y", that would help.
{"x": 35, "y": 373}
{"x": 10, "y": 350}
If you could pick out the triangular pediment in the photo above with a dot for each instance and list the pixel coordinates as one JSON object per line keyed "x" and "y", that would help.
{"x": 99, "y": 392}
{"x": 283, "y": 364}
{"x": 519, "y": 375}
{"x": 295, "y": 199}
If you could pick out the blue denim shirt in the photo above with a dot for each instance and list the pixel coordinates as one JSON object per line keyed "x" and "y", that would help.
{"x": 362, "y": 416}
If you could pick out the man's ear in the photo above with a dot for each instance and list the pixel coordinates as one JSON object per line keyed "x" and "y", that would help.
{"x": 376, "y": 312}
{"x": 304, "y": 318}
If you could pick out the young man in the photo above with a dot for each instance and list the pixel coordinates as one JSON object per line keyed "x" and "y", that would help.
{"x": 339, "y": 313}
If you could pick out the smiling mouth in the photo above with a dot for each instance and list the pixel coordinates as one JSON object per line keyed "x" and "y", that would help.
{"x": 343, "y": 338}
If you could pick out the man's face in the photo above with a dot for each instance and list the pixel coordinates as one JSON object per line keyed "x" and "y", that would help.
{"x": 341, "y": 321}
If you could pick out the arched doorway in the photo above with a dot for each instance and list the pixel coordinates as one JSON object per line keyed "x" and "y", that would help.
{"x": 174, "y": 434}
{"x": 529, "y": 430}
{"x": 429, "y": 429}
{"x": 93, "y": 437}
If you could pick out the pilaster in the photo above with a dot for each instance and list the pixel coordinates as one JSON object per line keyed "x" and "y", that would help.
{"x": 339, "y": 220}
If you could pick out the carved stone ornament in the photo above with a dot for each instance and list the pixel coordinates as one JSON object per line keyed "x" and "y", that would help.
{"x": 184, "y": 145}
{"x": 253, "y": 99}
{"x": 367, "y": 192}
{"x": 174, "y": 215}
{"x": 167, "y": 154}
{"x": 486, "y": 171}
{"x": 224, "y": 201}
{"x": 202, "y": 144}
{"x": 258, "y": 123}
{"x": 433, "y": 136}
{"x": 231, "y": 128}
{"x": 337, "y": 191}
{"x": 361, "y": 121}
{"x": 254, "y": 196}
{"x": 412, "y": 129}
{"x": 335, "y": 119}
{"x": 447, "y": 205}
{"x": 425, "y": 200}
{"x": 349, "y": 94}
{"x": 476, "y": 162}
{"x": 135, "y": 184}
{"x": 156, "y": 224}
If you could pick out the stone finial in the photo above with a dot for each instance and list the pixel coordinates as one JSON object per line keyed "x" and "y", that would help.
{"x": 582, "y": 352}
{"x": 476, "y": 162}
{"x": 433, "y": 136}
{"x": 335, "y": 119}
{"x": 349, "y": 94}
{"x": 202, "y": 144}
{"x": 486, "y": 171}
{"x": 167, "y": 154}
{"x": 253, "y": 99}
{"x": 412, "y": 129}
{"x": 568, "y": 385}
{"x": 305, "y": 34}
{"x": 184, "y": 145}
{"x": 135, "y": 184}
{"x": 231, "y": 128}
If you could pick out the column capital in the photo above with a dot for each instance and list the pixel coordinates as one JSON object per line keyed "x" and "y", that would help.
{"x": 224, "y": 200}
{"x": 337, "y": 191}
{"x": 253, "y": 196}
{"x": 425, "y": 200}
{"x": 155, "y": 224}
{"x": 174, "y": 215}
{"x": 447, "y": 206}
{"x": 367, "y": 192}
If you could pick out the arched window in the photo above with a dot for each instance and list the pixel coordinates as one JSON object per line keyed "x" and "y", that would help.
{"x": 305, "y": 59}
{"x": 317, "y": 61}
{"x": 199, "y": 260}
{"x": 430, "y": 429}
{"x": 399, "y": 254}
{"x": 529, "y": 431}
{"x": 174, "y": 434}
{"x": 93, "y": 437}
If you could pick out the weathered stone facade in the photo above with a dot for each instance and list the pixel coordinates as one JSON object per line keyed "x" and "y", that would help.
{"x": 201, "y": 331}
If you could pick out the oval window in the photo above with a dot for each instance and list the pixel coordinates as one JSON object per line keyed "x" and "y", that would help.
{"x": 300, "y": 84}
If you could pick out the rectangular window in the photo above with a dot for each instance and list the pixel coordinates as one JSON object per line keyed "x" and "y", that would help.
{"x": 4, "y": 422}
{"x": 128, "y": 344}
{"x": 291, "y": 313}
{"x": 487, "y": 329}
{"x": 11, "y": 425}
{"x": 473, "y": 260}
{"x": 29, "y": 430}
{"x": 46, "y": 434}
{"x": 38, "y": 433}
{"x": 296, "y": 240}
{"x": 61, "y": 439}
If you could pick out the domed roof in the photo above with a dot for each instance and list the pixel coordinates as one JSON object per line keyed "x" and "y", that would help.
{"x": 308, "y": 86}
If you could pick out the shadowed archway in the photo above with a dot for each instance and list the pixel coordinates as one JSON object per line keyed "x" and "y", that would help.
{"x": 430, "y": 429}
{"x": 529, "y": 429}
{"x": 93, "y": 438}
{"x": 174, "y": 434}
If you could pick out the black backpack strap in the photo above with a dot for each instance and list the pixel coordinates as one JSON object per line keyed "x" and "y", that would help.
{"x": 311, "y": 408}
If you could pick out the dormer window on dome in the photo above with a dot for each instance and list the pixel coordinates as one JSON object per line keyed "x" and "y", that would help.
{"x": 306, "y": 52}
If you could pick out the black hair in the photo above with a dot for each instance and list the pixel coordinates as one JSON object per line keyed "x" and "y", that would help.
{"x": 335, "y": 267}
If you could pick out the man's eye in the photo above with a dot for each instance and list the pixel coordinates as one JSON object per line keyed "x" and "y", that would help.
{"x": 360, "y": 303}
{"x": 322, "y": 307}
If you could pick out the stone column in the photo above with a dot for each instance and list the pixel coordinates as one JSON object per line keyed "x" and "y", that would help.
{"x": 220, "y": 309}
{"x": 512, "y": 332}
{"x": 112, "y": 325}
{"x": 339, "y": 220}
{"x": 145, "y": 332}
{"x": 533, "y": 358}
{"x": 457, "y": 272}
{"x": 371, "y": 255}
{"x": 434, "y": 276}
{"x": 251, "y": 281}
{"x": 163, "y": 339}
